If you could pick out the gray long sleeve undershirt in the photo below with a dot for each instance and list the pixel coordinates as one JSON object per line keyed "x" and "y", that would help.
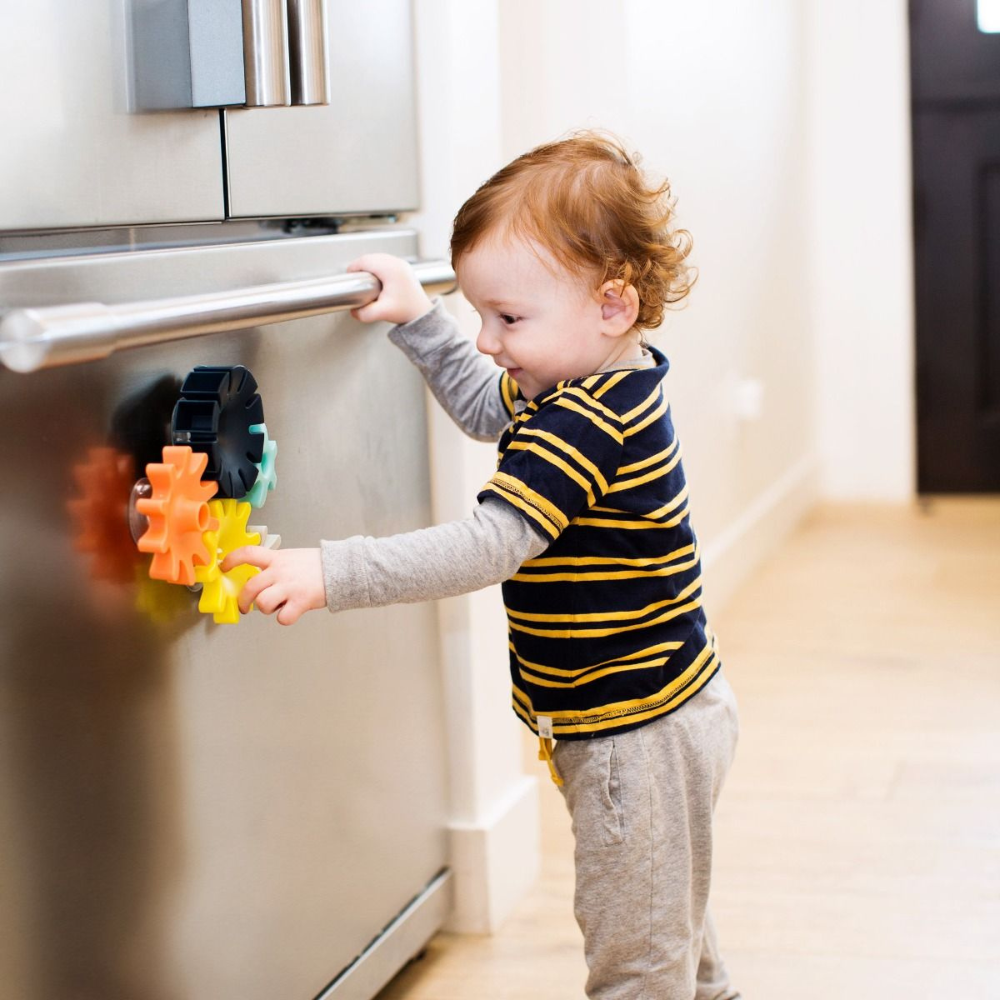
{"x": 431, "y": 563}
{"x": 465, "y": 382}
{"x": 448, "y": 559}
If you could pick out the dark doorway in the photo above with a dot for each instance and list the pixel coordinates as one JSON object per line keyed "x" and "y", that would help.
{"x": 955, "y": 65}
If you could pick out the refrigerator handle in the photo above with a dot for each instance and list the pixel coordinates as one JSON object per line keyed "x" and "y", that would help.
{"x": 265, "y": 53}
{"x": 31, "y": 339}
{"x": 308, "y": 52}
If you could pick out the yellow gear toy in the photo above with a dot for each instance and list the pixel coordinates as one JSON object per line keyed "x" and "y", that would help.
{"x": 220, "y": 590}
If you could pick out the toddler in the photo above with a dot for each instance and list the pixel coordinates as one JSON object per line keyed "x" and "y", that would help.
{"x": 568, "y": 255}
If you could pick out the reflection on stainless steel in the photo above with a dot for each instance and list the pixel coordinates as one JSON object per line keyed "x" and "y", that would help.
{"x": 356, "y": 155}
{"x": 265, "y": 53}
{"x": 72, "y": 66}
{"x": 308, "y": 51}
{"x": 402, "y": 939}
{"x": 76, "y": 64}
{"x": 102, "y": 512}
{"x": 196, "y": 811}
{"x": 60, "y": 335}
{"x": 190, "y": 810}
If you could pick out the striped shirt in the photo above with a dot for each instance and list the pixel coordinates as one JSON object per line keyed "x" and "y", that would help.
{"x": 606, "y": 628}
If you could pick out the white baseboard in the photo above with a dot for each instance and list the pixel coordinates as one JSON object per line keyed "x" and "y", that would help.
{"x": 494, "y": 863}
{"x": 729, "y": 559}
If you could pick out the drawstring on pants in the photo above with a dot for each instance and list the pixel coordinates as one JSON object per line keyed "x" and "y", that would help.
{"x": 545, "y": 753}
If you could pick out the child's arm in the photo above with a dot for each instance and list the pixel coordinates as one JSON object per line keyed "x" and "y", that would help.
{"x": 360, "y": 572}
{"x": 465, "y": 383}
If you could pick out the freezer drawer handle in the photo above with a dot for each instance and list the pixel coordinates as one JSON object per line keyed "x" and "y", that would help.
{"x": 31, "y": 339}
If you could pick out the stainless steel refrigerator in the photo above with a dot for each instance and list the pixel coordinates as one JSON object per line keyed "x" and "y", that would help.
{"x": 188, "y": 809}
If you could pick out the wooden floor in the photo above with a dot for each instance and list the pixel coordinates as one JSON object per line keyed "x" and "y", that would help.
{"x": 858, "y": 843}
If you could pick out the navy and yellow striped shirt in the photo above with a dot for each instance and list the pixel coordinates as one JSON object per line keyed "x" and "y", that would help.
{"x": 606, "y": 627}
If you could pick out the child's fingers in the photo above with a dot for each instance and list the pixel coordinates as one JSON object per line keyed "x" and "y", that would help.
{"x": 291, "y": 612}
{"x": 271, "y": 598}
{"x": 363, "y": 263}
{"x": 252, "y": 589}
{"x": 374, "y": 312}
{"x": 376, "y": 263}
{"x": 254, "y": 555}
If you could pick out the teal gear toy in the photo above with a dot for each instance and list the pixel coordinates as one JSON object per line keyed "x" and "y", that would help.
{"x": 267, "y": 477}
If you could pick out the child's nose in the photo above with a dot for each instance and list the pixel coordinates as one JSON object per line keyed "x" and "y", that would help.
{"x": 486, "y": 343}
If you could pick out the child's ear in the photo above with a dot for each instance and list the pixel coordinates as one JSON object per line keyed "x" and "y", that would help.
{"x": 619, "y": 307}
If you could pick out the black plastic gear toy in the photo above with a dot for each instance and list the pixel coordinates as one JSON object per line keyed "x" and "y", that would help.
{"x": 214, "y": 415}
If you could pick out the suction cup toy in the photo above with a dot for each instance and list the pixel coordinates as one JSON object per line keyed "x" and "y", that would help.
{"x": 216, "y": 415}
{"x": 220, "y": 590}
{"x": 267, "y": 478}
{"x": 178, "y": 515}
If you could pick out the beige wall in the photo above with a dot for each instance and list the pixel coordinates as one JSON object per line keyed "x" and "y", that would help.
{"x": 861, "y": 256}
{"x": 711, "y": 95}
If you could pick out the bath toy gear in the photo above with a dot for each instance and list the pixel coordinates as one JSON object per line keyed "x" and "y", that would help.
{"x": 267, "y": 478}
{"x": 220, "y": 590}
{"x": 216, "y": 414}
{"x": 178, "y": 515}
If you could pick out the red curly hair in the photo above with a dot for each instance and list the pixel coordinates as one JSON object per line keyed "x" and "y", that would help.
{"x": 585, "y": 200}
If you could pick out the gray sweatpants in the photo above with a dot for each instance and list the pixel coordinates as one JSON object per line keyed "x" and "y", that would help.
{"x": 641, "y": 804}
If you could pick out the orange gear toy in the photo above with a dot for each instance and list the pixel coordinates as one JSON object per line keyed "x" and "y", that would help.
{"x": 220, "y": 590}
{"x": 100, "y": 513}
{"x": 178, "y": 515}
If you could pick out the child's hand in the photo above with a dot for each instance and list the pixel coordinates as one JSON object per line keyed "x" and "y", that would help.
{"x": 402, "y": 298}
{"x": 290, "y": 581}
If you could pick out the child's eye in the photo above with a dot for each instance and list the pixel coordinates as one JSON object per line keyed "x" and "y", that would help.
{"x": 508, "y": 319}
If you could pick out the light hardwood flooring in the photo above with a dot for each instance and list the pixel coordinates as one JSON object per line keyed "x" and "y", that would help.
{"x": 858, "y": 837}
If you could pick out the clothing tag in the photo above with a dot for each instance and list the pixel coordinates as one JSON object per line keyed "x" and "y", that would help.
{"x": 545, "y": 727}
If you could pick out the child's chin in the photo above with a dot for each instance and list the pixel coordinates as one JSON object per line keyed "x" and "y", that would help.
{"x": 524, "y": 382}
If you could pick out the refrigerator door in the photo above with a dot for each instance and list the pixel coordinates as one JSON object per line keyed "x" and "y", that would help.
{"x": 357, "y": 155}
{"x": 192, "y": 811}
{"x": 75, "y": 151}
